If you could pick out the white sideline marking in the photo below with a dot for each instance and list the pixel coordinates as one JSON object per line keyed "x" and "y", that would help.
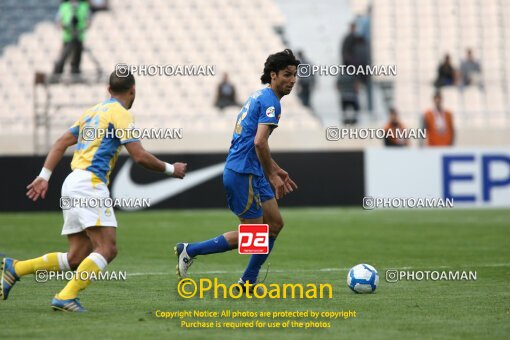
{"x": 489, "y": 265}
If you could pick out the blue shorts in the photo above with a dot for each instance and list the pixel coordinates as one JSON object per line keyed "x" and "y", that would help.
{"x": 246, "y": 192}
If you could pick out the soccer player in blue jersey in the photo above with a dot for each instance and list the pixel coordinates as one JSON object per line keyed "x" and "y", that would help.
{"x": 90, "y": 230}
{"x": 250, "y": 169}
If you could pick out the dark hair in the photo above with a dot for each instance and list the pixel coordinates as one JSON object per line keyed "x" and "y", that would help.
{"x": 276, "y": 62}
{"x": 122, "y": 83}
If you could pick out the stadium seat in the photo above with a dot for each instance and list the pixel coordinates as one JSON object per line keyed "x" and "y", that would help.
{"x": 184, "y": 39}
{"x": 419, "y": 33}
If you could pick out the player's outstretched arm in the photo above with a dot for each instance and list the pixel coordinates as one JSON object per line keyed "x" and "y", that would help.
{"x": 151, "y": 162}
{"x": 39, "y": 186}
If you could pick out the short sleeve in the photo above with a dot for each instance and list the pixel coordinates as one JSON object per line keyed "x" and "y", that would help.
{"x": 75, "y": 128}
{"x": 124, "y": 121}
{"x": 268, "y": 113}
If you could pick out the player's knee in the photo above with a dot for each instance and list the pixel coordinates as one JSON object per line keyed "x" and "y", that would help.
{"x": 109, "y": 252}
{"x": 75, "y": 259}
{"x": 275, "y": 228}
{"x": 112, "y": 253}
{"x": 232, "y": 238}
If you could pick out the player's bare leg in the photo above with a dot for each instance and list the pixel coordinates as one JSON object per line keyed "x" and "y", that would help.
{"x": 103, "y": 240}
{"x": 273, "y": 218}
{"x": 80, "y": 246}
{"x": 186, "y": 252}
{"x": 232, "y": 237}
{"x": 11, "y": 270}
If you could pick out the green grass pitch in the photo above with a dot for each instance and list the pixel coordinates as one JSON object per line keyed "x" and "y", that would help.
{"x": 316, "y": 246}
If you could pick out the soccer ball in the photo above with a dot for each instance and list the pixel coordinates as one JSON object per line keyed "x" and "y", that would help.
{"x": 363, "y": 278}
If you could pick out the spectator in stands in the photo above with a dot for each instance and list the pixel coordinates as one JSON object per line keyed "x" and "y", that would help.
{"x": 394, "y": 124}
{"x": 356, "y": 51}
{"x": 305, "y": 84}
{"x": 348, "y": 87}
{"x": 73, "y": 17}
{"x": 226, "y": 94}
{"x": 98, "y": 5}
{"x": 360, "y": 52}
{"x": 469, "y": 70}
{"x": 349, "y": 46}
{"x": 445, "y": 73}
{"x": 363, "y": 23}
{"x": 438, "y": 123}
{"x": 362, "y": 58}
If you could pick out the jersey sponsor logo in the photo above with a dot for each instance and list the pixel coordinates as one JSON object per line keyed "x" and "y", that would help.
{"x": 270, "y": 112}
{"x": 124, "y": 186}
{"x": 253, "y": 239}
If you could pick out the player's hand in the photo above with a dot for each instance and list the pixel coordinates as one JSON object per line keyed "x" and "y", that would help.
{"x": 284, "y": 175}
{"x": 279, "y": 186}
{"x": 290, "y": 185}
{"x": 37, "y": 188}
{"x": 179, "y": 170}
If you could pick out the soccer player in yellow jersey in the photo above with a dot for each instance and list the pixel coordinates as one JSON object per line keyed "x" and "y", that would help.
{"x": 90, "y": 231}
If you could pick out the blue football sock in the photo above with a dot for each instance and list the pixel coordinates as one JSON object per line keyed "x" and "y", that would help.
{"x": 256, "y": 262}
{"x": 215, "y": 245}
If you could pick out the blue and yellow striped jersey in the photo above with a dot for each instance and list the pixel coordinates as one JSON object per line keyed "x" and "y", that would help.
{"x": 101, "y": 132}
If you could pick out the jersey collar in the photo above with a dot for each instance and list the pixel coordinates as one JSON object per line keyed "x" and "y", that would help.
{"x": 272, "y": 92}
{"x": 113, "y": 100}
